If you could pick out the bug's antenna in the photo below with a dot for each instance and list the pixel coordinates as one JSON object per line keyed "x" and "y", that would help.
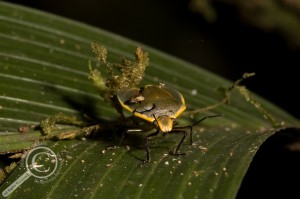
{"x": 205, "y": 117}
{"x": 155, "y": 119}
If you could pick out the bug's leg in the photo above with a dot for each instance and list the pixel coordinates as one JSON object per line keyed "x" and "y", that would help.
{"x": 191, "y": 134}
{"x": 128, "y": 131}
{"x": 122, "y": 137}
{"x": 176, "y": 149}
{"x": 146, "y": 140}
{"x": 191, "y": 126}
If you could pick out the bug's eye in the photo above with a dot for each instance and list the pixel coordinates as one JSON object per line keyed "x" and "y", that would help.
{"x": 155, "y": 123}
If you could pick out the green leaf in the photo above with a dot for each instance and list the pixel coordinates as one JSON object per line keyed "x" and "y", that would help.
{"x": 44, "y": 70}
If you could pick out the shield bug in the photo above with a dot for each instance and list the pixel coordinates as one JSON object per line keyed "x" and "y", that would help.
{"x": 158, "y": 105}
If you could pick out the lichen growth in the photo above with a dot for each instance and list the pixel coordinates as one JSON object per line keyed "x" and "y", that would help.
{"x": 250, "y": 99}
{"x": 127, "y": 74}
{"x": 99, "y": 82}
{"x": 120, "y": 76}
{"x": 226, "y": 92}
{"x": 246, "y": 95}
{"x": 50, "y": 124}
{"x": 5, "y": 172}
{"x": 100, "y": 52}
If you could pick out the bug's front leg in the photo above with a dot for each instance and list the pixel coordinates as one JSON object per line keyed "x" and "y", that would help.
{"x": 146, "y": 140}
{"x": 176, "y": 149}
{"x": 129, "y": 131}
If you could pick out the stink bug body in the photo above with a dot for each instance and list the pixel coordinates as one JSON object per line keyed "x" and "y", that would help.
{"x": 159, "y": 105}
{"x": 156, "y": 104}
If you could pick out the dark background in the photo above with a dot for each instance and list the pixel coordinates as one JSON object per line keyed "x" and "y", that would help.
{"x": 228, "y": 47}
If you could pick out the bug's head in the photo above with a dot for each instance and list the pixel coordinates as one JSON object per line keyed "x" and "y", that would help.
{"x": 164, "y": 123}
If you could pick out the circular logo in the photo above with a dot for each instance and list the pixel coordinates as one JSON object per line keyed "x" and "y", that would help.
{"x": 41, "y": 162}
